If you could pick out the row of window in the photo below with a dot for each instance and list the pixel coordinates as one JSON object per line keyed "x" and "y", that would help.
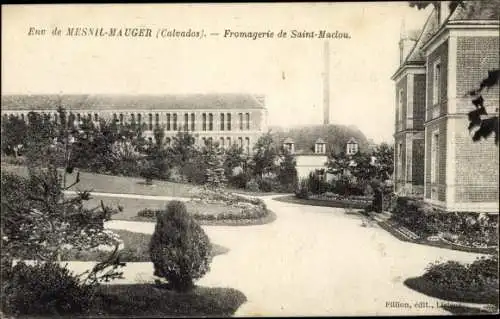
{"x": 171, "y": 120}
{"x": 227, "y": 142}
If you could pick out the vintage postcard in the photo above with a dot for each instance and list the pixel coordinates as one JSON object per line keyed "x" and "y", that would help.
{"x": 238, "y": 159}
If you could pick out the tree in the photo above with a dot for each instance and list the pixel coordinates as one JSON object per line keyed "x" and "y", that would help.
{"x": 14, "y": 132}
{"x": 287, "y": 174}
{"x": 38, "y": 222}
{"x": 213, "y": 161}
{"x": 234, "y": 157}
{"x": 424, "y": 4}
{"x": 265, "y": 155}
{"x": 183, "y": 148}
{"x": 384, "y": 161}
{"x": 487, "y": 125}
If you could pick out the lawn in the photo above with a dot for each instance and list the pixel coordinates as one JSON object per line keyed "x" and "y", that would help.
{"x": 147, "y": 300}
{"x": 117, "y": 184}
{"x": 130, "y": 185}
{"x": 136, "y": 249}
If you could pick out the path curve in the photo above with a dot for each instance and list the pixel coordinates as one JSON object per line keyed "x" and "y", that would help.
{"x": 317, "y": 261}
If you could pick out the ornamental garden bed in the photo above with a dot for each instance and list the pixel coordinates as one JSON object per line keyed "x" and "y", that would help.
{"x": 476, "y": 282}
{"x": 399, "y": 232}
{"x": 355, "y": 203}
{"x": 468, "y": 231}
{"x": 220, "y": 208}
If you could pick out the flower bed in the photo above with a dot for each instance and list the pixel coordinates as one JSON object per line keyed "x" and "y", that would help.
{"x": 344, "y": 201}
{"x": 211, "y": 207}
{"x": 476, "y": 282}
{"x": 467, "y": 229}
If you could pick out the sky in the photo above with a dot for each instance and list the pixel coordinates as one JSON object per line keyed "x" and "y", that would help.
{"x": 287, "y": 71}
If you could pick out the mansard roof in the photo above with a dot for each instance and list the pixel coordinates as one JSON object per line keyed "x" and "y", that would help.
{"x": 99, "y": 102}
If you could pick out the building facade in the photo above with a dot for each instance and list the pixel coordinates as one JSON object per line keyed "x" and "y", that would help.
{"x": 224, "y": 118}
{"x": 308, "y": 161}
{"x": 434, "y": 152}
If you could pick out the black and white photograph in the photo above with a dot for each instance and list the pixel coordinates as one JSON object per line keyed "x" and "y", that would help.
{"x": 250, "y": 159}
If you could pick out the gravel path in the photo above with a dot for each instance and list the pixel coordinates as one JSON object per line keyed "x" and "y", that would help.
{"x": 313, "y": 261}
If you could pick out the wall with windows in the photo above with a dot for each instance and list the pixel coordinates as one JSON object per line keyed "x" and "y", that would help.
{"x": 436, "y": 160}
{"x": 437, "y": 80}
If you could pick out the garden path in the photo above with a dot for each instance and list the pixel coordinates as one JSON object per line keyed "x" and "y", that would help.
{"x": 313, "y": 261}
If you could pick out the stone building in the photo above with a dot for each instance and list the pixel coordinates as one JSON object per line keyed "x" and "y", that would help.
{"x": 434, "y": 153}
{"x": 224, "y": 118}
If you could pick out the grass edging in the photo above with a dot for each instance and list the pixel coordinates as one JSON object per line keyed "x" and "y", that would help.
{"x": 320, "y": 202}
{"x": 439, "y": 244}
{"x": 428, "y": 288}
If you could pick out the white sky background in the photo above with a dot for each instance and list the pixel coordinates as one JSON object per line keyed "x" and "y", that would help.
{"x": 362, "y": 92}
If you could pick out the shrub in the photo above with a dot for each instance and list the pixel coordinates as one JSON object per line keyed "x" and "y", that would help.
{"x": 269, "y": 184}
{"x": 240, "y": 180}
{"x": 44, "y": 289}
{"x": 179, "y": 248}
{"x": 302, "y": 190}
{"x": 252, "y": 186}
{"x": 193, "y": 172}
{"x": 480, "y": 275}
{"x": 464, "y": 228}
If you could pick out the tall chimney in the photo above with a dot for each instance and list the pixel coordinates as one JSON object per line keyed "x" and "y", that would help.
{"x": 326, "y": 84}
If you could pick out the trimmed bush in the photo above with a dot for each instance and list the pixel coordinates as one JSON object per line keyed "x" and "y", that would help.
{"x": 44, "y": 289}
{"x": 179, "y": 248}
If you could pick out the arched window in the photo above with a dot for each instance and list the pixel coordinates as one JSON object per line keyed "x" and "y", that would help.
{"x": 78, "y": 117}
{"x": 192, "y": 122}
{"x": 168, "y": 141}
{"x": 210, "y": 122}
{"x": 96, "y": 117}
{"x": 168, "y": 121}
{"x": 174, "y": 125}
{"x": 89, "y": 117}
{"x": 222, "y": 142}
{"x": 157, "y": 120}
{"x": 132, "y": 118}
{"x": 204, "y": 121}
{"x": 222, "y": 121}
{"x": 139, "y": 119}
{"x": 186, "y": 121}
{"x": 150, "y": 121}
{"x": 228, "y": 121}
{"x": 228, "y": 139}
{"x": 240, "y": 142}
{"x": 121, "y": 118}
{"x": 247, "y": 115}
{"x": 240, "y": 119}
